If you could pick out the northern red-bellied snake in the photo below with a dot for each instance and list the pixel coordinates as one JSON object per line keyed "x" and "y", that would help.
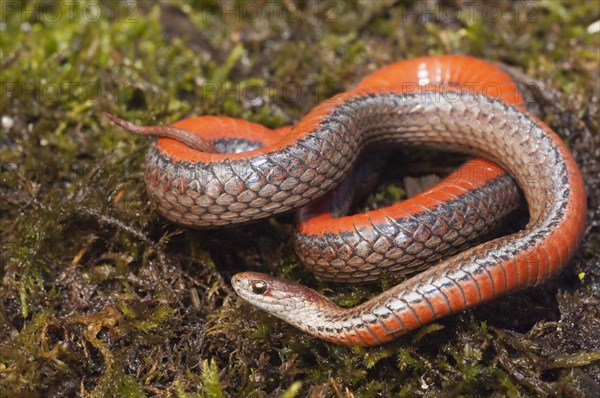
{"x": 430, "y": 101}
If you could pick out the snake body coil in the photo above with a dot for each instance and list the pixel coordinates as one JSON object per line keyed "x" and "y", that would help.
{"x": 280, "y": 171}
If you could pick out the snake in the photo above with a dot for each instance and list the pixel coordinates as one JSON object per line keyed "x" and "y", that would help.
{"x": 213, "y": 172}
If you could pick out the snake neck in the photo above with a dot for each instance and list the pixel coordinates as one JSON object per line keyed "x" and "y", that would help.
{"x": 365, "y": 325}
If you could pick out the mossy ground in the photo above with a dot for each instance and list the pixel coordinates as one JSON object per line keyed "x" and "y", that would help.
{"x": 102, "y": 297}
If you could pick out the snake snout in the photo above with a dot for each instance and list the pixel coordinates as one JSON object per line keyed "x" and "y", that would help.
{"x": 248, "y": 284}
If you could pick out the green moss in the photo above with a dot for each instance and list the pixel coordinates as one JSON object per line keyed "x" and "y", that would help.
{"x": 292, "y": 391}
{"x": 102, "y": 296}
{"x": 129, "y": 388}
{"x": 211, "y": 386}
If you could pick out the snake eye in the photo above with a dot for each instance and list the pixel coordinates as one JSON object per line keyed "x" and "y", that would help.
{"x": 259, "y": 287}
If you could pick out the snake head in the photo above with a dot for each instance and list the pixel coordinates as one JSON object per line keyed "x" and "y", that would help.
{"x": 267, "y": 292}
{"x": 289, "y": 301}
